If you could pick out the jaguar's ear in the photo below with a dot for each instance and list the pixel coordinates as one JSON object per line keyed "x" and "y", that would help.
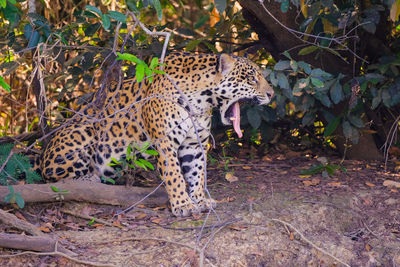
{"x": 226, "y": 64}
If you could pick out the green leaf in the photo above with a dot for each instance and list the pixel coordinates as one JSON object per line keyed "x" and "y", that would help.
{"x": 314, "y": 169}
{"x": 12, "y": 14}
{"x": 356, "y": 121}
{"x": 283, "y": 81}
{"x": 294, "y": 65}
{"x": 12, "y": 2}
{"x": 336, "y": 92}
{"x": 286, "y": 54}
{"x": 320, "y": 73}
{"x": 386, "y": 98}
{"x": 158, "y": 8}
{"x": 220, "y": 5}
{"x": 151, "y": 152}
{"x": 139, "y": 72}
{"x": 109, "y": 180}
{"x": 140, "y": 164}
{"x": 4, "y": 85}
{"x": 331, "y": 127}
{"x": 300, "y": 85}
{"x": 19, "y": 200}
{"x": 92, "y": 29}
{"x": 305, "y": 66}
{"x": 273, "y": 79}
{"x": 129, "y": 57}
{"x": 324, "y": 99}
{"x": 154, "y": 63}
{"x": 93, "y": 10}
{"x": 11, "y": 189}
{"x": 118, "y": 16}
{"x": 282, "y": 65}
{"x": 147, "y": 164}
{"x": 9, "y": 198}
{"x": 3, "y": 3}
{"x": 376, "y": 101}
{"x": 307, "y": 50}
{"x": 254, "y": 118}
{"x": 192, "y": 44}
{"x": 200, "y": 22}
{"x": 285, "y": 6}
{"x": 55, "y": 189}
{"x": 105, "y": 19}
{"x": 347, "y": 129}
{"x": 34, "y": 39}
{"x": 317, "y": 82}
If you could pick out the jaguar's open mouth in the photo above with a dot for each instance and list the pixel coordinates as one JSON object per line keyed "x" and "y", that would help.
{"x": 233, "y": 113}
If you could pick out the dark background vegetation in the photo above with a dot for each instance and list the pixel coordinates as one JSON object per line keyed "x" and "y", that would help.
{"x": 334, "y": 65}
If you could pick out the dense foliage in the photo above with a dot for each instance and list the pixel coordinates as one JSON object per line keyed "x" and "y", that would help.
{"x": 63, "y": 49}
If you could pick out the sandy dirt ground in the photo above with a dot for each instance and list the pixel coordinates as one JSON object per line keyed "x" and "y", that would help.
{"x": 270, "y": 216}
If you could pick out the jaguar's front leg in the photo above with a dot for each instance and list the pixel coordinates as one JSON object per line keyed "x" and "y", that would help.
{"x": 192, "y": 161}
{"x": 181, "y": 204}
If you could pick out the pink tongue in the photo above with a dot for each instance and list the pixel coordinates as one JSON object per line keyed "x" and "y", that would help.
{"x": 236, "y": 119}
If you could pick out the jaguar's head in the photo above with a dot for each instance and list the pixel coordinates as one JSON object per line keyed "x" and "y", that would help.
{"x": 241, "y": 81}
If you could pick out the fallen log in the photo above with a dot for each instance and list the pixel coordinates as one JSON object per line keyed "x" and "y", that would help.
{"x": 12, "y": 220}
{"x": 88, "y": 192}
{"x": 40, "y": 243}
{"x": 34, "y": 243}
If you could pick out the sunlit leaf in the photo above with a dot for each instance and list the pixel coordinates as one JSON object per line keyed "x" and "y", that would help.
{"x": 395, "y": 11}
{"x": 151, "y": 152}
{"x": 4, "y": 85}
{"x": 139, "y": 72}
{"x": 307, "y": 50}
{"x": 147, "y": 164}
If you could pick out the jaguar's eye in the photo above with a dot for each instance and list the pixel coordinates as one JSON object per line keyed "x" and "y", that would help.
{"x": 253, "y": 81}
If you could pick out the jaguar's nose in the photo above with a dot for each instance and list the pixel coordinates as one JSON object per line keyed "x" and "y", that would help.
{"x": 270, "y": 94}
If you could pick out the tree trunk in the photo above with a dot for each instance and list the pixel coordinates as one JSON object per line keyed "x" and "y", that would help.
{"x": 276, "y": 39}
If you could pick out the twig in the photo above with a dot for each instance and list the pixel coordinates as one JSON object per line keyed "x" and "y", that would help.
{"x": 91, "y": 218}
{"x": 310, "y": 242}
{"x": 389, "y": 140}
{"x": 58, "y": 253}
{"x": 167, "y": 35}
{"x": 200, "y": 227}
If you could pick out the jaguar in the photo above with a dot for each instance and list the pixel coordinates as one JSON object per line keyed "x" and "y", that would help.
{"x": 173, "y": 112}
